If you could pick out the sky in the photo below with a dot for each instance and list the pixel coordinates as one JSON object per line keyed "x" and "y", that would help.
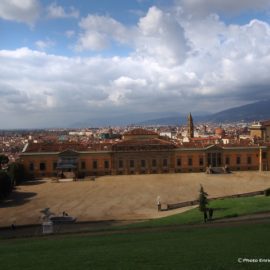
{"x": 108, "y": 62}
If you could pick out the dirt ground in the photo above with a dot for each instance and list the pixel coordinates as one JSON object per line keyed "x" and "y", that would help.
{"x": 127, "y": 197}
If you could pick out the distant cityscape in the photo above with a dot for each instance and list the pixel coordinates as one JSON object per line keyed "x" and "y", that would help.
{"x": 139, "y": 149}
{"x": 12, "y": 142}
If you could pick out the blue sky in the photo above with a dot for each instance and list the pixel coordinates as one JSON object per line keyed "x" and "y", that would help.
{"x": 112, "y": 62}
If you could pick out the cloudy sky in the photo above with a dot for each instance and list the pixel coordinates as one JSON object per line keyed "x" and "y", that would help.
{"x": 119, "y": 61}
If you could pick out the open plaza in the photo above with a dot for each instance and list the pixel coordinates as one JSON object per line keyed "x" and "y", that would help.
{"x": 121, "y": 197}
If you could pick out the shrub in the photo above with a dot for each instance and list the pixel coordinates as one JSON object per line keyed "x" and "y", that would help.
{"x": 203, "y": 201}
{"x": 5, "y": 184}
{"x": 267, "y": 192}
{"x": 16, "y": 172}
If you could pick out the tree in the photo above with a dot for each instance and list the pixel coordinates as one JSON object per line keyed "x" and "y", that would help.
{"x": 16, "y": 172}
{"x": 5, "y": 184}
{"x": 3, "y": 160}
{"x": 203, "y": 201}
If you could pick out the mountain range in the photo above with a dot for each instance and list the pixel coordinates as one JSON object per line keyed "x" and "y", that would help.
{"x": 251, "y": 112}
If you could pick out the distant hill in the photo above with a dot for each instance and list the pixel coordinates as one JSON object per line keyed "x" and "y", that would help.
{"x": 164, "y": 121}
{"x": 255, "y": 111}
{"x": 175, "y": 120}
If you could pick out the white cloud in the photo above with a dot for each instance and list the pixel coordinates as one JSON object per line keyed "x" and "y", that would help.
{"x": 176, "y": 64}
{"x": 44, "y": 44}
{"x": 70, "y": 33}
{"x": 204, "y": 7}
{"x": 55, "y": 11}
{"x": 162, "y": 37}
{"x": 100, "y": 31}
{"x": 26, "y": 11}
{"x": 158, "y": 34}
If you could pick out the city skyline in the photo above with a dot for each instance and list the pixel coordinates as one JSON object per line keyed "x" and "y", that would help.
{"x": 64, "y": 62}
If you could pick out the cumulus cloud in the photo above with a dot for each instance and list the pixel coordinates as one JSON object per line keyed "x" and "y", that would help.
{"x": 176, "y": 64}
{"x": 70, "y": 33}
{"x": 100, "y": 31}
{"x": 161, "y": 36}
{"x": 56, "y": 11}
{"x": 44, "y": 44}
{"x": 26, "y": 11}
{"x": 204, "y": 7}
{"x": 158, "y": 34}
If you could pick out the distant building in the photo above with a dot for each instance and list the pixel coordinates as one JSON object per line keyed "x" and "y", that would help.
{"x": 142, "y": 151}
{"x": 190, "y": 126}
{"x": 261, "y": 130}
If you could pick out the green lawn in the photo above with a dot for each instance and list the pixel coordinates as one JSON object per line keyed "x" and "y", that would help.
{"x": 224, "y": 208}
{"x": 194, "y": 248}
{"x": 175, "y": 248}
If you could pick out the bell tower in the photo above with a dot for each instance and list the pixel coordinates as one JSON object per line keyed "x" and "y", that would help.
{"x": 190, "y": 126}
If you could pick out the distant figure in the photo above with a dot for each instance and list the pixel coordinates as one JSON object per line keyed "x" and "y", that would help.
{"x": 65, "y": 214}
{"x": 158, "y": 203}
{"x": 159, "y": 206}
{"x": 13, "y": 226}
{"x": 211, "y": 211}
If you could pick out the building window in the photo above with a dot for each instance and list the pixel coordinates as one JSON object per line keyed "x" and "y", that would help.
{"x": 31, "y": 166}
{"x": 154, "y": 163}
{"x": 95, "y": 164}
{"x": 42, "y": 166}
{"x": 120, "y": 164}
{"x": 201, "y": 161}
{"x": 106, "y": 164}
{"x": 209, "y": 159}
{"x": 131, "y": 164}
{"x": 143, "y": 163}
{"x": 83, "y": 166}
{"x": 54, "y": 165}
{"x": 264, "y": 155}
{"x": 249, "y": 160}
{"x": 178, "y": 162}
{"x": 165, "y": 162}
{"x": 238, "y": 160}
{"x": 190, "y": 161}
{"x": 227, "y": 161}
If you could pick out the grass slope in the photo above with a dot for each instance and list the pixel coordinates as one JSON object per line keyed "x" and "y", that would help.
{"x": 224, "y": 209}
{"x": 197, "y": 248}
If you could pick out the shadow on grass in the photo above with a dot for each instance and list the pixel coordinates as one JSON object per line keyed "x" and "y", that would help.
{"x": 17, "y": 198}
{"x": 219, "y": 208}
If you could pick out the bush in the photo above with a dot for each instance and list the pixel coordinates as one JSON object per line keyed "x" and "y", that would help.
{"x": 5, "y": 184}
{"x": 203, "y": 201}
{"x": 3, "y": 160}
{"x": 16, "y": 173}
{"x": 267, "y": 192}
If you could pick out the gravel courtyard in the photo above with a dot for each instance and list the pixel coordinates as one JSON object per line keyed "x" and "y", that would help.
{"x": 127, "y": 197}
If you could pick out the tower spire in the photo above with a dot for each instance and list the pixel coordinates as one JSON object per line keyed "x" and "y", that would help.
{"x": 190, "y": 126}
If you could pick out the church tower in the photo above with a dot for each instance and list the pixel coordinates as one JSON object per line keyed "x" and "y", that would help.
{"x": 190, "y": 126}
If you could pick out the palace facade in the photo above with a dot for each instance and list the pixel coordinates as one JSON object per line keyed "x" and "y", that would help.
{"x": 141, "y": 152}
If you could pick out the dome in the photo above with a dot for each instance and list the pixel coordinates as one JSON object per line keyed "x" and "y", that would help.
{"x": 219, "y": 131}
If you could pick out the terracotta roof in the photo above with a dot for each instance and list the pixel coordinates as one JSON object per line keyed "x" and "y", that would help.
{"x": 60, "y": 147}
{"x": 140, "y": 131}
{"x": 143, "y": 145}
{"x": 266, "y": 123}
{"x": 154, "y": 141}
{"x": 204, "y": 138}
